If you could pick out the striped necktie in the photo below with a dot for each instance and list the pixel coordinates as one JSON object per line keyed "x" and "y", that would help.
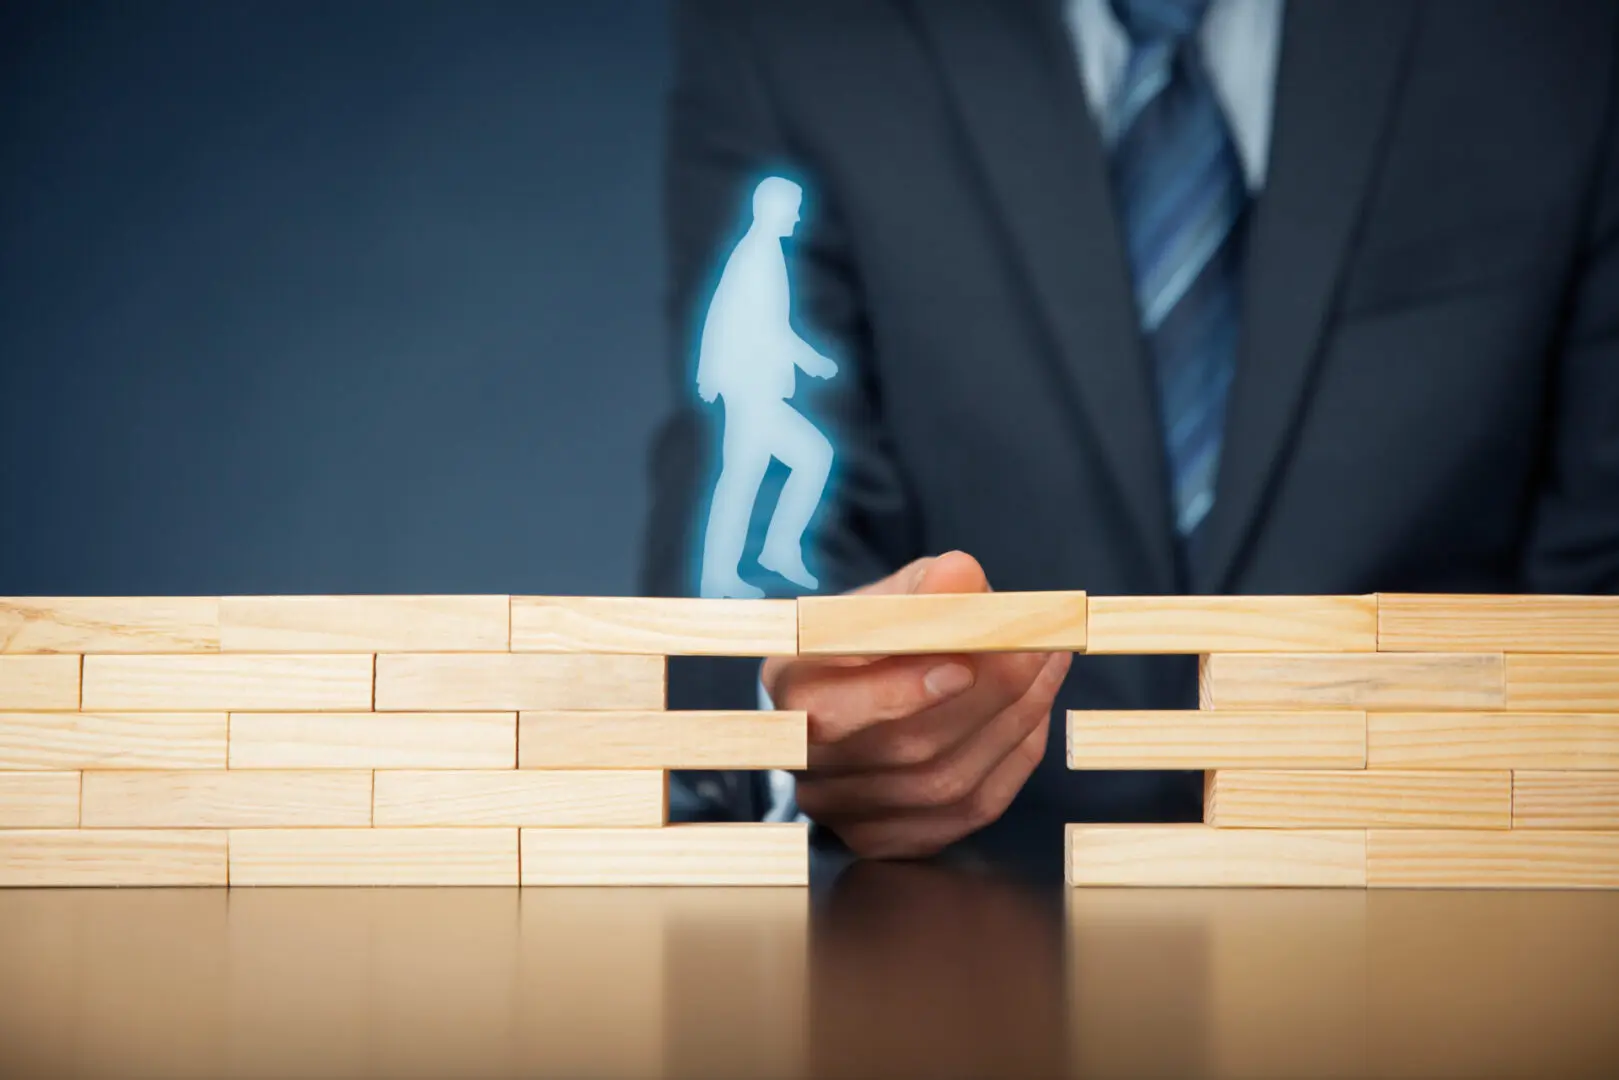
{"x": 1181, "y": 193}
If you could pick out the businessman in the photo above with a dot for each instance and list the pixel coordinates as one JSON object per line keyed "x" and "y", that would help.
{"x": 1153, "y": 297}
{"x": 749, "y": 357}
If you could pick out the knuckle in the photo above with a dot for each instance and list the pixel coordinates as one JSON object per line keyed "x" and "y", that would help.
{"x": 938, "y": 788}
{"x": 910, "y": 750}
{"x": 985, "y": 806}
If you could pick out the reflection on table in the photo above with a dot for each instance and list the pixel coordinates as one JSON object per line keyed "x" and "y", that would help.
{"x": 899, "y": 970}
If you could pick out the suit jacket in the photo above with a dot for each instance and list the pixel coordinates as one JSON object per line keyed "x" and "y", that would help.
{"x": 1427, "y": 388}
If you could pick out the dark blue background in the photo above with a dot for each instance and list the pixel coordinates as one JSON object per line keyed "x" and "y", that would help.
{"x": 335, "y": 297}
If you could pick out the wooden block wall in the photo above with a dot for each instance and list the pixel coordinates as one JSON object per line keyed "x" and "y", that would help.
{"x": 1384, "y": 740}
{"x": 1487, "y": 726}
{"x": 326, "y": 740}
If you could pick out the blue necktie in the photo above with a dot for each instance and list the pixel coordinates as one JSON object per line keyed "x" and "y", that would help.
{"x": 1181, "y": 193}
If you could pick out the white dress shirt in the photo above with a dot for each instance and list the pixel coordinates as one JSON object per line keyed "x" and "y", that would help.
{"x": 1240, "y": 41}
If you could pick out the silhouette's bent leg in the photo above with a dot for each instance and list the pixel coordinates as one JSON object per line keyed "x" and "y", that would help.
{"x": 808, "y": 454}
{"x": 744, "y": 457}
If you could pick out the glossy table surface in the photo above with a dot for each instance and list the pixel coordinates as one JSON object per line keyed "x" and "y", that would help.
{"x": 894, "y": 970}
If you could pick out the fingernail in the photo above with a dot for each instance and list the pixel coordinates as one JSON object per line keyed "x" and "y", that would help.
{"x": 947, "y": 679}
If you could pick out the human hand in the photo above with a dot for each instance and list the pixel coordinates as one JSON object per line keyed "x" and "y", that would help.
{"x": 908, "y": 754}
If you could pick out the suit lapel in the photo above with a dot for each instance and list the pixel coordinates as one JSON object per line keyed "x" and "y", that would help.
{"x": 1336, "y": 83}
{"x": 1014, "y": 80}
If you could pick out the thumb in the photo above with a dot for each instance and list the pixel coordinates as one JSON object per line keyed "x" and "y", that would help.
{"x": 952, "y": 572}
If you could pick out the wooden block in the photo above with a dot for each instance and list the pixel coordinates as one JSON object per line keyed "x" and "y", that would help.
{"x": 662, "y": 740}
{"x": 66, "y": 740}
{"x": 373, "y": 856}
{"x": 941, "y": 623}
{"x": 109, "y": 624}
{"x": 39, "y": 682}
{"x": 221, "y": 799}
{"x": 363, "y": 624}
{"x": 1176, "y": 855}
{"x": 39, "y": 800}
{"x": 373, "y": 741}
{"x": 171, "y": 683}
{"x": 512, "y": 681}
{"x": 1226, "y": 624}
{"x": 47, "y": 858}
{"x": 658, "y": 626}
{"x": 1563, "y": 682}
{"x": 1351, "y": 681}
{"x": 1296, "y": 799}
{"x": 1492, "y": 859}
{"x": 1189, "y": 739}
{"x": 727, "y": 854}
{"x": 1541, "y": 624}
{"x": 1565, "y": 800}
{"x": 507, "y": 797}
{"x": 1518, "y": 740}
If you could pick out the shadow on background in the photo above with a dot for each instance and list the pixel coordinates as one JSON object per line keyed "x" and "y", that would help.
{"x": 308, "y": 297}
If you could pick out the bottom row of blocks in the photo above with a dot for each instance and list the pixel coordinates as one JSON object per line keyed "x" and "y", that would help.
{"x": 721, "y": 854}
{"x": 1201, "y": 855}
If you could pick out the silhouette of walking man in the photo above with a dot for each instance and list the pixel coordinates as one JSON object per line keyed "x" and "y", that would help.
{"x": 747, "y": 358}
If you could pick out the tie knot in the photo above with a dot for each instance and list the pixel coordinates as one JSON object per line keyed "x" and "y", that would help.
{"x": 1149, "y": 21}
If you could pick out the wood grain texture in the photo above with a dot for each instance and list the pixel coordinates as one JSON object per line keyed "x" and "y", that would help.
{"x": 667, "y": 626}
{"x": 362, "y": 624}
{"x": 1541, "y": 624}
{"x": 1492, "y": 859}
{"x": 1565, "y": 800}
{"x": 507, "y": 797}
{"x": 728, "y": 854}
{"x": 228, "y": 682}
{"x": 1197, "y": 855}
{"x": 662, "y": 740}
{"x": 966, "y": 622}
{"x": 373, "y": 741}
{"x": 1339, "y": 799}
{"x": 48, "y": 858}
{"x": 1224, "y": 624}
{"x": 220, "y": 798}
{"x": 1561, "y": 683}
{"x": 1190, "y": 739}
{"x": 39, "y": 682}
{"x": 425, "y": 681}
{"x": 39, "y": 800}
{"x": 1492, "y": 740}
{"x": 67, "y": 740}
{"x": 373, "y": 856}
{"x": 1368, "y": 681}
{"x": 109, "y": 624}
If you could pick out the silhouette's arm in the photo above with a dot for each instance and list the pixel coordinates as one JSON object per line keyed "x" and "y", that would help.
{"x": 723, "y": 135}
{"x": 812, "y": 362}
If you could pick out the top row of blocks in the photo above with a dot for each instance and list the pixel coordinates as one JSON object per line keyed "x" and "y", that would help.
{"x": 821, "y": 625}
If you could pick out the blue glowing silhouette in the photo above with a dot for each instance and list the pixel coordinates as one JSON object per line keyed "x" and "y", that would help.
{"x": 747, "y": 359}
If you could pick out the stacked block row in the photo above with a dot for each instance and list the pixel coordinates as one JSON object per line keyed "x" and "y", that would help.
{"x": 1390, "y": 740}
{"x": 422, "y": 740}
{"x": 1365, "y": 740}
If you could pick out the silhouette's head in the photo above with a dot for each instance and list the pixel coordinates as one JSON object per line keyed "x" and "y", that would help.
{"x": 775, "y": 205}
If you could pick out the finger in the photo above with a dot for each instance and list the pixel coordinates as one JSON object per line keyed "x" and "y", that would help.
{"x": 844, "y": 694}
{"x": 925, "y": 736}
{"x": 917, "y": 836}
{"x": 841, "y": 701}
{"x": 946, "y": 782}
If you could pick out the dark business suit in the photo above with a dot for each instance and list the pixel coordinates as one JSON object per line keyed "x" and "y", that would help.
{"x": 1427, "y": 388}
